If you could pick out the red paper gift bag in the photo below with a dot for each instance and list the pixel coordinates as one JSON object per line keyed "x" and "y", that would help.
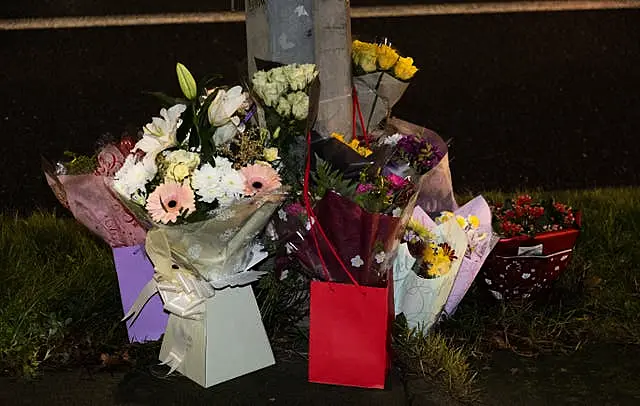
{"x": 349, "y": 334}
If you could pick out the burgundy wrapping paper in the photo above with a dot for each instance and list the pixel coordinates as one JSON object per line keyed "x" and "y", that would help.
{"x": 352, "y": 231}
{"x": 134, "y": 270}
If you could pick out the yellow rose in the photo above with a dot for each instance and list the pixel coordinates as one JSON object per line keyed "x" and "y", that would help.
{"x": 365, "y": 55}
{"x": 338, "y": 137}
{"x": 387, "y": 57}
{"x": 474, "y": 221}
{"x": 271, "y": 154}
{"x": 177, "y": 172}
{"x": 404, "y": 69}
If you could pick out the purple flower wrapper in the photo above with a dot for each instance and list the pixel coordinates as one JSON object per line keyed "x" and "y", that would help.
{"x": 134, "y": 270}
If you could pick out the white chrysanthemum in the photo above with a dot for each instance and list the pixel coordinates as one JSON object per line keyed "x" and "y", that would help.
{"x": 133, "y": 176}
{"x": 221, "y": 183}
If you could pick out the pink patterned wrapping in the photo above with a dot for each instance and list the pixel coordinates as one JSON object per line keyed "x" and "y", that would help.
{"x": 92, "y": 204}
{"x": 435, "y": 187}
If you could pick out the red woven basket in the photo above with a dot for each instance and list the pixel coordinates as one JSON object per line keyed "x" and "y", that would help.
{"x": 509, "y": 273}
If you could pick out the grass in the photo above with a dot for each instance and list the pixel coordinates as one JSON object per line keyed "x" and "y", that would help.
{"x": 63, "y": 296}
{"x": 58, "y": 282}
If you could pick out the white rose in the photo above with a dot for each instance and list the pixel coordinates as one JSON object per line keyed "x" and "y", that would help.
{"x": 295, "y": 77}
{"x": 299, "y": 104}
{"x": 225, "y": 105}
{"x": 284, "y": 107}
{"x": 310, "y": 72}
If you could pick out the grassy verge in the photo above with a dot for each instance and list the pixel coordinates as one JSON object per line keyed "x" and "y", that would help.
{"x": 58, "y": 282}
{"x": 62, "y": 296}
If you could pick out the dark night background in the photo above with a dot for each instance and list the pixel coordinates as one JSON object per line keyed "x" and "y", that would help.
{"x": 530, "y": 100}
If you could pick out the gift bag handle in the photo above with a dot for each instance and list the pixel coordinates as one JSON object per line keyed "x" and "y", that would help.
{"x": 315, "y": 224}
{"x": 356, "y": 108}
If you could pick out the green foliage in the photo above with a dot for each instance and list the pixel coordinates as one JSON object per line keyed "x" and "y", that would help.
{"x": 327, "y": 179}
{"x": 80, "y": 164}
{"x": 57, "y": 279}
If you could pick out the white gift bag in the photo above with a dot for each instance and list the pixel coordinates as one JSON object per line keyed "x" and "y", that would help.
{"x": 228, "y": 342}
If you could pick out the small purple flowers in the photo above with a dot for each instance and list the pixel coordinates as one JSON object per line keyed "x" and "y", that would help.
{"x": 419, "y": 152}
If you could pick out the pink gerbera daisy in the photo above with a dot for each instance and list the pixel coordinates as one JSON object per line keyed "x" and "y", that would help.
{"x": 169, "y": 201}
{"x": 260, "y": 178}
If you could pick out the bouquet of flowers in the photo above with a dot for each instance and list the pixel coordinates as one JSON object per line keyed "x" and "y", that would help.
{"x": 205, "y": 179}
{"x": 381, "y": 77}
{"x": 289, "y": 99}
{"x": 475, "y": 219}
{"x": 422, "y": 155}
{"x": 426, "y": 268}
{"x": 535, "y": 246}
{"x": 81, "y": 186}
{"x": 347, "y": 235}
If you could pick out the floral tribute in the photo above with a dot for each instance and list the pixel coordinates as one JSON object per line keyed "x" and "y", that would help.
{"x": 205, "y": 178}
{"x": 426, "y": 268}
{"x": 523, "y": 216}
{"x": 371, "y": 57}
{"x": 381, "y": 76}
{"x": 536, "y": 245}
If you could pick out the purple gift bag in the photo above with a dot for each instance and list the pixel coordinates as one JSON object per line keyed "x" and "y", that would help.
{"x": 134, "y": 271}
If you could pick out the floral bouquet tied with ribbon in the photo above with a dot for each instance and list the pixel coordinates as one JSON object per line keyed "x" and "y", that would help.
{"x": 206, "y": 179}
{"x": 536, "y": 243}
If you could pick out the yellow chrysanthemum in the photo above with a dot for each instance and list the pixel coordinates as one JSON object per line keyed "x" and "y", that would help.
{"x": 404, "y": 69}
{"x": 387, "y": 57}
{"x": 462, "y": 222}
{"x": 474, "y": 221}
{"x": 440, "y": 266}
{"x": 353, "y": 144}
{"x": 444, "y": 217}
{"x": 429, "y": 253}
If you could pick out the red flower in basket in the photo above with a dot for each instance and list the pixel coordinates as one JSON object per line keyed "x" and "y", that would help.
{"x": 536, "y": 246}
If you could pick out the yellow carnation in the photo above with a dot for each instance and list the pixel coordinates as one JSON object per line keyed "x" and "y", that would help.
{"x": 404, "y": 69}
{"x": 387, "y": 57}
{"x": 270, "y": 154}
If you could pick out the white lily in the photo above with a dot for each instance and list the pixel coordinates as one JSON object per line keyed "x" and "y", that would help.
{"x": 225, "y": 105}
{"x": 160, "y": 133}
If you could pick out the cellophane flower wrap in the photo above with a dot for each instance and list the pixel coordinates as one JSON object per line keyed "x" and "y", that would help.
{"x": 380, "y": 78}
{"x": 205, "y": 180}
{"x": 423, "y": 155}
{"x": 81, "y": 186}
{"x": 475, "y": 219}
{"x": 362, "y": 218}
{"x": 426, "y": 268}
{"x": 536, "y": 242}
